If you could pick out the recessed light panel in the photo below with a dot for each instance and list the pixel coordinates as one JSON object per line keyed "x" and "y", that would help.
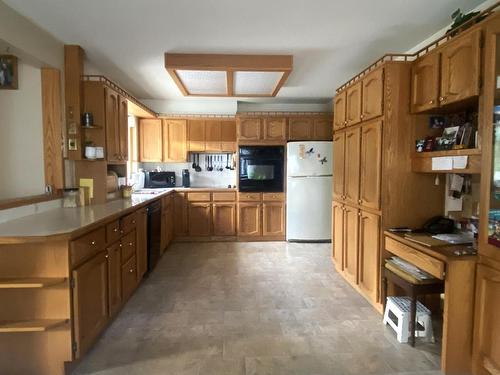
{"x": 256, "y": 83}
{"x": 203, "y": 82}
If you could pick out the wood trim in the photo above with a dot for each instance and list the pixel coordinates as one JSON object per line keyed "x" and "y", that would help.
{"x": 280, "y": 83}
{"x": 73, "y": 97}
{"x": 230, "y": 82}
{"x": 178, "y": 81}
{"x": 17, "y": 202}
{"x": 52, "y": 128}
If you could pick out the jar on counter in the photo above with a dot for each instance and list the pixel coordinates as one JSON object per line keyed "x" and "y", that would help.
{"x": 71, "y": 197}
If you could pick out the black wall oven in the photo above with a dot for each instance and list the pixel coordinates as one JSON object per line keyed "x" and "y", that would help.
{"x": 261, "y": 168}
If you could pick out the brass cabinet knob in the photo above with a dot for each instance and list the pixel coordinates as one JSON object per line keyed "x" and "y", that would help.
{"x": 130, "y": 243}
{"x": 442, "y": 98}
{"x": 115, "y": 230}
{"x": 131, "y": 270}
{"x": 362, "y": 116}
{"x": 121, "y": 245}
{"x": 359, "y": 213}
{"x": 92, "y": 243}
{"x": 106, "y": 256}
{"x": 133, "y": 221}
{"x": 360, "y": 201}
{"x": 431, "y": 101}
{"x": 121, "y": 232}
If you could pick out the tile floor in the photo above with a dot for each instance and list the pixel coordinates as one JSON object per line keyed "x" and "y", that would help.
{"x": 251, "y": 308}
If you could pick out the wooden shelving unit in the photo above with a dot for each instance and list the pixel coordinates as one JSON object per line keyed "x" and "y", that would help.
{"x": 422, "y": 161}
{"x": 30, "y": 283}
{"x": 35, "y": 325}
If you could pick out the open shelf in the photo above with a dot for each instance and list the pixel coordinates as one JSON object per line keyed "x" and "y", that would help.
{"x": 30, "y": 283}
{"x": 422, "y": 161}
{"x": 35, "y": 325}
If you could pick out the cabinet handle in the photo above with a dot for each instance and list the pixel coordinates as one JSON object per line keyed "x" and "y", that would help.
{"x": 130, "y": 243}
{"x": 115, "y": 230}
{"x": 360, "y": 201}
{"x": 359, "y": 213}
{"x": 431, "y": 101}
{"x": 92, "y": 243}
{"x": 121, "y": 245}
{"x": 133, "y": 221}
{"x": 106, "y": 256}
{"x": 121, "y": 232}
{"x": 362, "y": 116}
{"x": 442, "y": 98}
{"x": 131, "y": 270}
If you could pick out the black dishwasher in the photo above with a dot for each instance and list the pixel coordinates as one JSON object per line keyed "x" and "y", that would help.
{"x": 154, "y": 234}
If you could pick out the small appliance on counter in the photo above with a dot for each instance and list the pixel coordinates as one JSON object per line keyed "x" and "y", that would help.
{"x": 159, "y": 180}
{"x": 186, "y": 180}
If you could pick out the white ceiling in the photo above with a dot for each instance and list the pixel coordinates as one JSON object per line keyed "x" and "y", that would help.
{"x": 331, "y": 40}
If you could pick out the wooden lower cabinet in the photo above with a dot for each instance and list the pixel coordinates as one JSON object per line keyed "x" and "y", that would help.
{"x": 224, "y": 219}
{"x": 338, "y": 234}
{"x": 199, "y": 219}
{"x": 181, "y": 215}
{"x": 273, "y": 219}
{"x": 114, "y": 278}
{"x": 142, "y": 242}
{"x": 129, "y": 277}
{"x": 350, "y": 255}
{"x": 90, "y": 301}
{"x": 486, "y": 347}
{"x": 369, "y": 255}
{"x": 249, "y": 220}
{"x": 167, "y": 222}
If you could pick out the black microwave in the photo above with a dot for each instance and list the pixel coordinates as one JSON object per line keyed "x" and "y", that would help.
{"x": 261, "y": 168}
{"x": 159, "y": 180}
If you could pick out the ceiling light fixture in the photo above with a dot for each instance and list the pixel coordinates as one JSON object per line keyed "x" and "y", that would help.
{"x": 228, "y": 75}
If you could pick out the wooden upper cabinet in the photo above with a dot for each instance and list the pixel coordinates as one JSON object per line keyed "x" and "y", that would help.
{"x": 369, "y": 254}
{"x": 460, "y": 68}
{"x": 338, "y": 234}
{"x": 300, "y": 129}
{"x": 90, "y": 301}
{"x": 112, "y": 126}
{"x": 174, "y": 140}
{"x": 373, "y": 95}
{"x": 425, "y": 83}
{"x": 371, "y": 164}
{"x": 352, "y": 166}
{"x": 339, "y": 162}
{"x": 213, "y": 136}
{"x": 249, "y": 219}
{"x": 273, "y": 219}
{"x": 486, "y": 349}
{"x": 350, "y": 255}
{"x": 196, "y": 135}
{"x": 274, "y": 129}
{"x": 224, "y": 219}
{"x": 353, "y": 104}
{"x": 323, "y": 129}
{"x": 199, "y": 219}
{"x": 249, "y": 129}
{"x": 339, "y": 110}
{"x": 228, "y": 135}
{"x": 150, "y": 140}
{"x": 123, "y": 127}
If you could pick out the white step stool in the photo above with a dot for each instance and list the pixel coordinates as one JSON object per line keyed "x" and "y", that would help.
{"x": 400, "y": 307}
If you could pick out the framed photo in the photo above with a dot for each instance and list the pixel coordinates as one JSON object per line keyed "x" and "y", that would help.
{"x": 8, "y": 72}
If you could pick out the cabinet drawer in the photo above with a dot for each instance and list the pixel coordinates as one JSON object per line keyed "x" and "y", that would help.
{"x": 87, "y": 245}
{"x": 127, "y": 223}
{"x": 129, "y": 277}
{"x": 128, "y": 246}
{"x": 423, "y": 261}
{"x": 229, "y": 196}
{"x": 249, "y": 197}
{"x": 273, "y": 197}
{"x": 113, "y": 231}
{"x": 199, "y": 197}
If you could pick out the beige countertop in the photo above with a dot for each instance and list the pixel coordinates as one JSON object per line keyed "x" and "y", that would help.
{"x": 65, "y": 222}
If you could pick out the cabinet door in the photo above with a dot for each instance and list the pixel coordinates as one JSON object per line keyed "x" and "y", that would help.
{"x": 228, "y": 135}
{"x": 123, "y": 127}
{"x": 180, "y": 214}
{"x": 369, "y": 254}
{"x": 273, "y": 219}
{"x": 373, "y": 95}
{"x": 114, "y": 278}
{"x": 460, "y": 68}
{"x": 350, "y": 256}
{"x": 338, "y": 234}
{"x": 112, "y": 126}
{"x": 174, "y": 141}
{"x": 275, "y": 129}
{"x": 150, "y": 140}
{"x": 353, "y": 104}
{"x": 224, "y": 219}
{"x": 425, "y": 83}
{"x": 213, "y": 142}
{"x": 339, "y": 108}
{"x": 196, "y": 135}
{"x": 339, "y": 161}
{"x": 323, "y": 129}
{"x": 351, "y": 176}
{"x": 199, "y": 219}
{"x": 129, "y": 278}
{"x": 142, "y": 243}
{"x": 486, "y": 345}
{"x": 90, "y": 301}
{"x": 249, "y": 129}
{"x": 300, "y": 129}
{"x": 371, "y": 154}
{"x": 249, "y": 219}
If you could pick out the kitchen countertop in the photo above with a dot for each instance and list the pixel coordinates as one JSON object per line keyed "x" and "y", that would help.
{"x": 63, "y": 223}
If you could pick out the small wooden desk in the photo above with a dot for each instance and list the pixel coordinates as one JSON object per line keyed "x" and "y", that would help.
{"x": 458, "y": 273}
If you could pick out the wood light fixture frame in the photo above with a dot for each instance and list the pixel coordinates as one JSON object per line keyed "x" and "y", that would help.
{"x": 229, "y": 64}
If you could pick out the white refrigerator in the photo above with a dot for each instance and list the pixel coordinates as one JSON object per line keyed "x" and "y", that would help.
{"x": 309, "y": 191}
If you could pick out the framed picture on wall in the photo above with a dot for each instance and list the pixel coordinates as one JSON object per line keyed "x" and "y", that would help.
{"x": 8, "y": 72}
